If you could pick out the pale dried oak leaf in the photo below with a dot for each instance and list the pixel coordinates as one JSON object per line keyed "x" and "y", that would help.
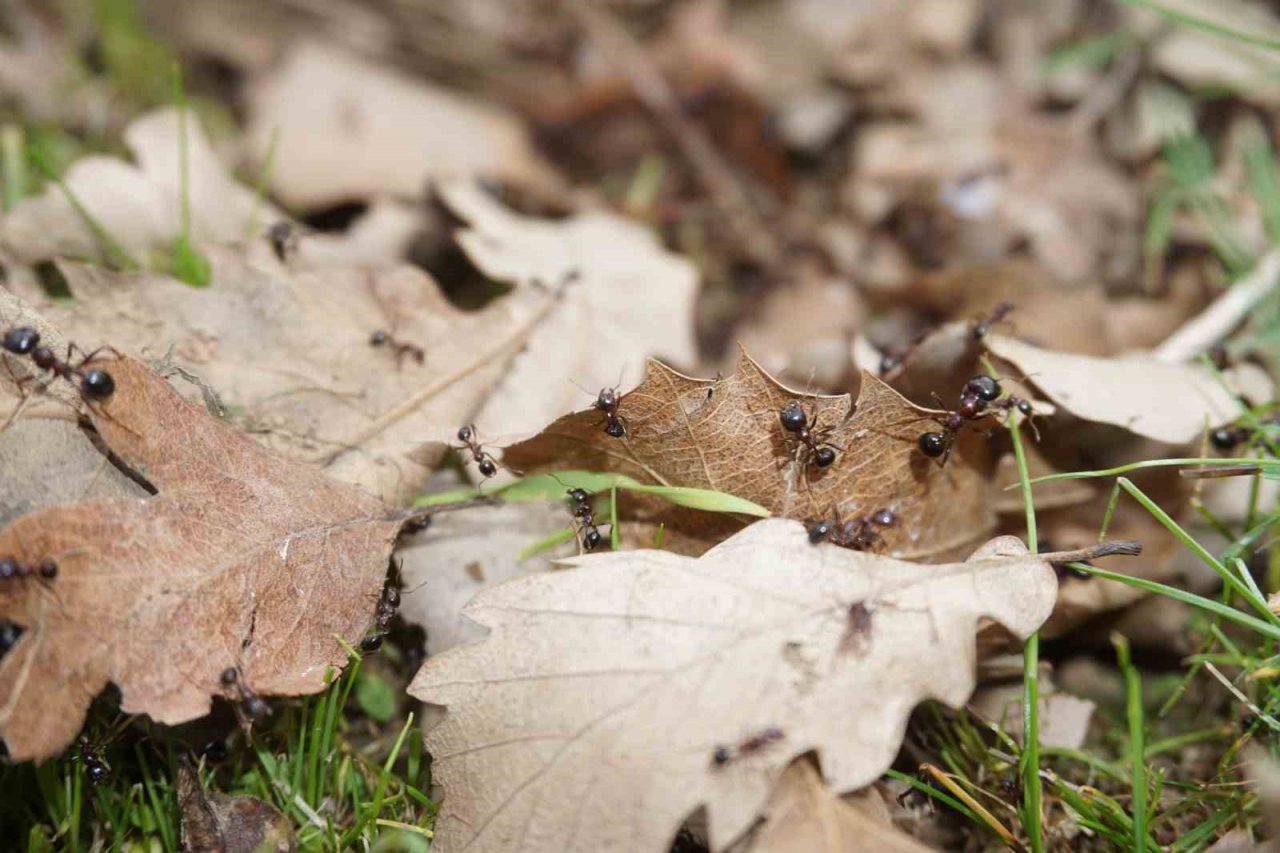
{"x": 1173, "y": 403}
{"x": 588, "y": 718}
{"x": 725, "y": 434}
{"x": 243, "y": 558}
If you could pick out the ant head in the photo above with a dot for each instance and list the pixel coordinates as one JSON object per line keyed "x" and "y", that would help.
{"x": 1224, "y": 438}
{"x": 932, "y": 444}
{"x": 229, "y": 677}
{"x": 97, "y": 384}
{"x": 578, "y": 495}
{"x": 391, "y": 596}
{"x": 607, "y": 399}
{"x": 818, "y": 530}
{"x": 21, "y": 341}
{"x": 721, "y": 755}
{"x": 1024, "y": 406}
{"x": 464, "y": 434}
{"x": 793, "y": 417}
{"x": 378, "y": 338}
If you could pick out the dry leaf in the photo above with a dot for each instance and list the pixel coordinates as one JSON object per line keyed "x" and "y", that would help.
{"x": 288, "y": 349}
{"x": 244, "y": 558}
{"x": 617, "y": 680}
{"x": 803, "y": 816}
{"x": 725, "y": 434}
{"x": 1064, "y": 719}
{"x": 1172, "y": 403}
{"x": 463, "y": 553}
{"x": 139, "y": 206}
{"x": 622, "y": 298}
{"x": 348, "y": 129}
{"x": 217, "y": 823}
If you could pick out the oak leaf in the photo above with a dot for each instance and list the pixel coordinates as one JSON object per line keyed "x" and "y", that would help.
{"x": 244, "y": 558}
{"x": 725, "y": 434}
{"x": 589, "y": 717}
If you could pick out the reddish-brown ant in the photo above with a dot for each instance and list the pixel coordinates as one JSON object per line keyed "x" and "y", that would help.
{"x": 402, "y": 349}
{"x": 94, "y": 383}
{"x": 983, "y": 327}
{"x": 387, "y": 605}
{"x": 722, "y": 754}
{"x": 812, "y": 439}
{"x": 254, "y": 705}
{"x": 484, "y": 462}
{"x": 858, "y": 534}
{"x": 585, "y": 516}
{"x": 11, "y": 569}
{"x": 979, "y": 392}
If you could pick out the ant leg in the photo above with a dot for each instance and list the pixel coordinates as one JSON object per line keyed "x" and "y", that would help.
{"x": 91, "y": 356}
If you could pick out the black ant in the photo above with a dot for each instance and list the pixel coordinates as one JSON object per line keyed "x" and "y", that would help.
{"x": 979, "y": 392}
{"x": 607, "y": 401}
{"x": 254, "y": 705}
{"x": 722, "y": 754}
{"x": 402, "y": 349}
{"x": 1228, "y": 438}
{"x": 858, "y": 534}
{"x": 283, "y": 238}
{"x": 812, "y": 439}
{"x": 11, "y": 569}
{"x": 983, "y": 327}
{"x": 387, "y": 604}
{"x": 484, "y": 462}
{"x": 95, "y": 383}
{"x": 914, "y": 794}
{"x": 94, "y": 764}
{"x": 9, "y": 636}
{"x": 585, "y": 516}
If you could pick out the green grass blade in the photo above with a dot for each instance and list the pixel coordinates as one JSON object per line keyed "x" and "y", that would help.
{"x": 1137, "y": 752}
{"x": 1032, "y": 795}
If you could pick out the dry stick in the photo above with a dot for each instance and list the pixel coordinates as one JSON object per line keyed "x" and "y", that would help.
{"x": 654, "y": 92}
{"x": 1125, "y": 547}
{"x": 1201, "y": 332}
{"x": 412, "y": 404}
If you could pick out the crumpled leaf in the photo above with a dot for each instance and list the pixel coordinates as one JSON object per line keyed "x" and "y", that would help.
{"x": 724, "y": 434}
{"x": 804, "y": 815}
{"x": 244, "y": 558}
{"x": 350, "y": 129}
{"x": 217, "y": 822}
{"x": 1173, "y": 403}
{"x": 139, "y": 206}
{"x": 623, "y": 298}
{"x": 288, "y": 350}
{"x": 618, "y": 678}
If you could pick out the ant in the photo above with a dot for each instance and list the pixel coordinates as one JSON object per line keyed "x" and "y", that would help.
{"x": 15, "y": 569}
{"x": 254, "y": 704}
{"x": 859, "y": 629}
{"x": 722, "y": 754}
{"x": 387, "y": 605}
{"x": 1228, "y": 438}
{"x": 812, "y": 439}
{"x": 467, "y": 435}
{"x": 9, "y": 636}
{"x": 95, "y": 383}
{"x": 585, "y": 515}
{"x": 979, "y": 392}
{"x": 94, "y": 764}
{"x": 858, "y": 534}
{"x": 402, "y": 349}
{"x": 284, "y": 240}
{"x": 607, "y": 401}
{"x": 983, "y": 327}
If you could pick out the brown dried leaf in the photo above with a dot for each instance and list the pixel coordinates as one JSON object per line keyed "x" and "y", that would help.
{"x": 804, "y": 816}
{"x": 617, "y": 678}
{"x": 288, "y": 350}
{"x": 244, "y": 558}
{"x": 724, "y": 434}
{"x": 1172, "y": 403}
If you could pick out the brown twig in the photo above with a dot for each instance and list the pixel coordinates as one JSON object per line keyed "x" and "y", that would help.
{"x": 1120, "y": 547}
{"x": 655, "y": 93}
{"x": 1241, "y": 470}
